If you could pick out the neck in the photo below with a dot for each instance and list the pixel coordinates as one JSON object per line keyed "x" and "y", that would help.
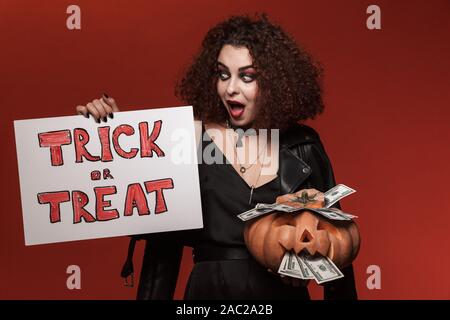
{"x": 242, "y": 131}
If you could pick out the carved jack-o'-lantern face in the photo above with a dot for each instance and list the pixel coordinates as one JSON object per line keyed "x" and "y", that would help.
{"x": 269, "y": 237}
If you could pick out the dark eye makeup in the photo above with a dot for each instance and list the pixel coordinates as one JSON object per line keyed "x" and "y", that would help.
{"x": 247, "y": 77}
{"x": 246, "y": 74}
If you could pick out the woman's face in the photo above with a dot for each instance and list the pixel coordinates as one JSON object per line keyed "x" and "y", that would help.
{"x": 237, "y": 86}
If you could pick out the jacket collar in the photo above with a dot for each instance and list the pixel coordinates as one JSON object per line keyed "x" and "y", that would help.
{"x": 293, "y": 169}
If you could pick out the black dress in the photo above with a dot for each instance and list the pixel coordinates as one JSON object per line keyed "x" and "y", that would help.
{"x": 218, "y": 276}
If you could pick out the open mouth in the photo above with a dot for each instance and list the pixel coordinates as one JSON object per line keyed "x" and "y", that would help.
{"x": 236, "y": 108}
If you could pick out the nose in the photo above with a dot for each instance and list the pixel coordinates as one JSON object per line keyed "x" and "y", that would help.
{"x": 232, "y": 87}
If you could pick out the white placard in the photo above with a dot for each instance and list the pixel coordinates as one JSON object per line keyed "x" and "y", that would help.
{"x": 136, "y": 173}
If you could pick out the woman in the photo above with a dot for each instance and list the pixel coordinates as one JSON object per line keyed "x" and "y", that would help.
{"x": 249, "y": 74}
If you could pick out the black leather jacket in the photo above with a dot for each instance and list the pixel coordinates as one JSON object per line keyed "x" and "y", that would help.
{"x": 303, "y": 164}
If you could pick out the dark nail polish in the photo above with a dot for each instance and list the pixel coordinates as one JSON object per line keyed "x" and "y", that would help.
{"x": 104, "y": 119}
{"x": 97, "y": 120}
{"x": 87, "y": 115}
{"x": 111, "y": 115}
{"x": 105, "y": 95}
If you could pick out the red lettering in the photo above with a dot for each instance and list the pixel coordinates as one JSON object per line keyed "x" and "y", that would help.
{"x": 148, "y": 144}
{"x": 127, "y": 130}
{"x": 103, "y": 133}
{"x": 158, "y": 186}
{"x": 136, "y": 198}
{"x": 102, "y": 214}
{"x": 107, "y": 174}
{"x": 95, "y": 175}
{"x": 81, "y": 138}
{"x": 79, "y": 201}
{"x": 54, "y": 199}
{"x": 55, "y": 140}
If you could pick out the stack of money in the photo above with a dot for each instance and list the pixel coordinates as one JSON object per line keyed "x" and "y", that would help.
{"x": 305, "y": 266}
{"x": 331, "y": 197}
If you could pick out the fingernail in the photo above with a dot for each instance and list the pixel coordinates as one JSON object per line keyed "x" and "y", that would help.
{"x": 104, "y": 119}
{"x": 87, "y": 115}
{"x": 105, "y": 95}
{"x": 111, "y": 115}
{"x": 97, "y": 120}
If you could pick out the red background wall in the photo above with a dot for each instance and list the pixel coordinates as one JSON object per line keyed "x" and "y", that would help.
{"x": 386, "y": 124}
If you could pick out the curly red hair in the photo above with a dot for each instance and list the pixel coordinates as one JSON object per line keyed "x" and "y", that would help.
{"x": 289, "y": 80}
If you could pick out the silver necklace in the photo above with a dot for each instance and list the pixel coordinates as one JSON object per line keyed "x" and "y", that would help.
{"x": 243, "y": 169}
{"x": 256, "y": 183}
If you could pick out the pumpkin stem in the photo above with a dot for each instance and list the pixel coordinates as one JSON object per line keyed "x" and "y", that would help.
{"x": 305, "y": 198}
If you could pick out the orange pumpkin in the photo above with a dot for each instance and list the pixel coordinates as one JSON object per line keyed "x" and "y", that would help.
{"x": 270, "y": 236}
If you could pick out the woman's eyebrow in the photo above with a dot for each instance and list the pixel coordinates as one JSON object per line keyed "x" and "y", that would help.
{"x": 240, "y": 69}
{"x": 246, "y": 67}
{"x": 222, "y": 65}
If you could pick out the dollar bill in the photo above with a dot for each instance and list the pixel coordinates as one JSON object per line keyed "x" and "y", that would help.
{"x": 337, "y": 193}
{"x": 253, "y": 213}
{"x": 287, "y": 268}
{"x": 322, "y": 268}
{"x": 304, "y": 269}
{"x": 330, "y": 214}
{"x": 263, "y": 208}
{"x": 265, "y": 205}
{"x": 348, "y": 215}
{"x": 285, "y": 208}
{"x": 276, "y": 207}
{"x": 290, "y": 266}
{"x": 340, "y": 212}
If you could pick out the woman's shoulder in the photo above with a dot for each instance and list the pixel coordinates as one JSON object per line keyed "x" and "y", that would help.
{"x": 299, "y": 134}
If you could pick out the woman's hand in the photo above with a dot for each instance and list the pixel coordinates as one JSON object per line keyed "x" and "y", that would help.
{"x": 99, "y": 108}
